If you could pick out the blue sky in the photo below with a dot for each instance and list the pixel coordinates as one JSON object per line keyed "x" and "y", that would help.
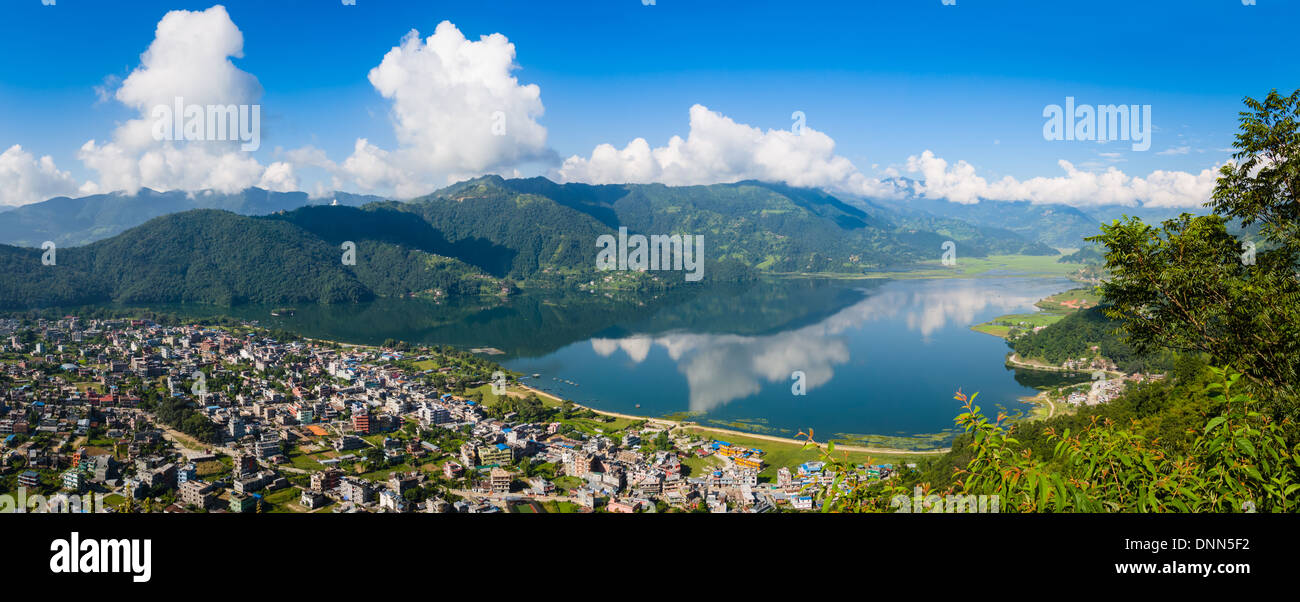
{"x": 885, "y": 80}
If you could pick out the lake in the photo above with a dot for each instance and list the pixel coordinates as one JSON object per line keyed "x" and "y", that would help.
{"x": 878, "y": 357}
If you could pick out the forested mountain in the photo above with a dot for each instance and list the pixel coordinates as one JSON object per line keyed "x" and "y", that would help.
{"x": 1075, "y": 335}
{"x": 71, "y": 222}
{"x": 217, "y": 257}
{"x": 473, "y": 237}
{"x": 771, "y": 227}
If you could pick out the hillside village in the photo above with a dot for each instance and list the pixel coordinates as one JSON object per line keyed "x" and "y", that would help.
{"x": 151, "y": 417}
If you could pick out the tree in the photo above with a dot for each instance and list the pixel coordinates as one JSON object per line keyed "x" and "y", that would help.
{"x": 1190, "y": 286}
{"x": 1238, "y": 461}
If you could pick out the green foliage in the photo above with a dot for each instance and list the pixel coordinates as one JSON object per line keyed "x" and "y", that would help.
{"x": 1237, "y": 461}
{"x": 177, "y": 413}
{"x": 482, "y": 236}
{"x": 530, "y": 409}
{"x": 214, "y": 257}
{"x": 1190, "y": 285}
{"x": 1075, "y": 335}
{"x": 507, "y": 225}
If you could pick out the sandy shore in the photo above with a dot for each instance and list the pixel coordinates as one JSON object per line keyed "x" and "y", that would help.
{"x": 692, "y": 425}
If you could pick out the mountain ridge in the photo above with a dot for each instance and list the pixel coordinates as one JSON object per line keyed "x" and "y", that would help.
{"x": 480, "y": 236}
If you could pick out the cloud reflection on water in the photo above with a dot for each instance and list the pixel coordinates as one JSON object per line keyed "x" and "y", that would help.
{"x": 720, "y": 368}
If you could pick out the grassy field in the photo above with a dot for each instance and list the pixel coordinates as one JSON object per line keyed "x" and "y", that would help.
{"x": 211, "y": 469}
{"x": 489, "y": 398}
{"x": 1054, "y": 308}
{"x": 279, "y": 500}
{"x": 968, "y": 267}
{"x": 114, "y": 500}
{"x": 996, "y": 330}
{"x": 310, "y": 461}
{"x": 1001, "y": 326}
{"x": 594, "y": 426}
{"x": 567, "y": 483}
{"x": 701, "y": 466}
{"x": 561, "y": 507}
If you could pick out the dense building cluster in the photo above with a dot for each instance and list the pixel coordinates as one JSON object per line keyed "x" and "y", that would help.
{"x": 186, "y": 418}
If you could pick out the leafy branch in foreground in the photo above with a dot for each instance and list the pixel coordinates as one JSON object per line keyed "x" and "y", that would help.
{"x": 1190, "y": 285}
{"x": 1239, "y": 461}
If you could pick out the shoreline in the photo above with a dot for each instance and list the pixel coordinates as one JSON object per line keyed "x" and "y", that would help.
{"x": 1014, "y": 361}
{"x": 693, "y": 425}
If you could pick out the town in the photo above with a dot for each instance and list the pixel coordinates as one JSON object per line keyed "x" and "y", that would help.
{"x": 187, "y": 417}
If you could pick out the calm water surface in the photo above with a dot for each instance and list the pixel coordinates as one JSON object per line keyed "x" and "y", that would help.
{"x": 880, "y": 357}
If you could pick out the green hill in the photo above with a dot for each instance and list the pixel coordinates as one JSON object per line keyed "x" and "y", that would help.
{"x": 482, "y": 236}
{"x": 769, "y": 227}
{"x": 216, "y": 257}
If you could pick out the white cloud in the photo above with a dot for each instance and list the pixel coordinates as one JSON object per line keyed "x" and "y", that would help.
{"x": 452, "y": 96}
{"x": 637, "y": 348}
{"x": 457, "y": 112}
{"x": 189, "y": 58}
{"x": 25, "y": 179}
{"x": 1176, "y": 150}
{"x": 960, "y": 184}
{"x": 720, "y": 368}
{"x": 279, "y": 178}
{"x": 371, "y": 168}
{"x": 717, "y": 149}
